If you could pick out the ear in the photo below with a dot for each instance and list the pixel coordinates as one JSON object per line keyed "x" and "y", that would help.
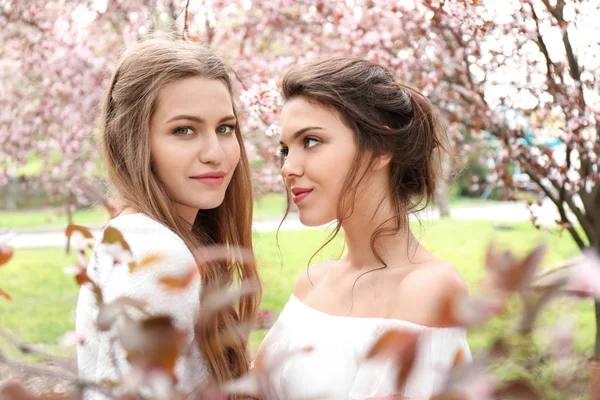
{"x": 382, "y": 162}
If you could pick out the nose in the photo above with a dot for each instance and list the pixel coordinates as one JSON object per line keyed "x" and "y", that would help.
{"x": 292, "y": 166}
{"x": 211, "y": 151}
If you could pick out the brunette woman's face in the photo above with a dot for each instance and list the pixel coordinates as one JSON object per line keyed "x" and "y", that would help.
{"x": 193, "y": 143}
{"x": 318, "y": 150}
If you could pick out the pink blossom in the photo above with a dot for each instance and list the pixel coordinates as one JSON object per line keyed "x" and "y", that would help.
{"x": 73, "y": 338}
{"x": 584, "y": 276}
{"x": 371, "y": 38}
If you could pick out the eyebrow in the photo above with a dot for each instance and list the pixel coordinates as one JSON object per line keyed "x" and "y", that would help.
{"x": 303, "y": 130}
{"x": 200, "y": 120}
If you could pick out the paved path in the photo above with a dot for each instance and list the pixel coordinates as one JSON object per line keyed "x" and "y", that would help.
{"x": 501, "y": 211}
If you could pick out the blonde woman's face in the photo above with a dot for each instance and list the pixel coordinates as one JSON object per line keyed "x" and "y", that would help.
{"x": 193, "y": 144}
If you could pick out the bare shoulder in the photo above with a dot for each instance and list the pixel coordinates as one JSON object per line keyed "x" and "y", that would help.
{"x": 425, "y": 289}
{"x": 436, "y": 278}
{"x": 307, "y": 279}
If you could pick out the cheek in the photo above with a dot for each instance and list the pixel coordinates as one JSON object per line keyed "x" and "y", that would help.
{"x": 336, "y": 169}
{"x": 334, "y": 174}
{"x": 232, "y": 152}
{"x": 158, "y": 161}
{"x": 169, "y": 161}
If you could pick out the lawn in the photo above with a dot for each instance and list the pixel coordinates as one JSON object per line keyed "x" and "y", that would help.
{"x": 51, "y": 217}
{"x": 44, "y": 298}
{"x": 271, "y": 205}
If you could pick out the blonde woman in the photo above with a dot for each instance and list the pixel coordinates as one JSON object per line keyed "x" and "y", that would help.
{"x": 173, "y": 150}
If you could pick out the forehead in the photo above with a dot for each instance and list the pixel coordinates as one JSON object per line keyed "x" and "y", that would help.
{"x": 194, "y": 95}
{"x": 299, "y": 113}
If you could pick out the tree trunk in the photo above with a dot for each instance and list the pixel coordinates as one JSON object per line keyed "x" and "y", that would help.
{"x": 441, "y": 198}
{"x": 12, "y": 189}
{"x": 69, "y": 201}
{"x": 442, "y": 189}
{"x": 597, "y": 343}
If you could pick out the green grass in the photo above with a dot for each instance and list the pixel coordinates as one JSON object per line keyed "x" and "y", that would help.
{"x": 270, "y": 205}
{"x": 45, "y": 298}
{"x": 51, "y": 217}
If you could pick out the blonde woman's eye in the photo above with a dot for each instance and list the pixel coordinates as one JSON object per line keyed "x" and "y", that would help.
{"x": 311, "y": 142}
{"x": 226, "y": 129}
{"x": 184, "y": 131}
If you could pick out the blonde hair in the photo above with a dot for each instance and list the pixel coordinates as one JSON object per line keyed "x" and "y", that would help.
{"x": 130, "y": 102}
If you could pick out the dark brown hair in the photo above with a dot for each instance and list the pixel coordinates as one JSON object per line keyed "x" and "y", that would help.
{"x": 388, "y": 118}
{"x": 131, "y": 100}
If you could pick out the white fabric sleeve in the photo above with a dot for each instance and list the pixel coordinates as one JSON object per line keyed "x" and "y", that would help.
{"x": 437, "y": 348}
{"x": 96, "y": 360}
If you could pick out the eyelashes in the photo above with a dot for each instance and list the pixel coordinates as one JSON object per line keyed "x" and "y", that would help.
{"x": 308, "y": 142}
{"x": 184, "y": 131}
{"x": 230, "y": 127}
{"x": 226, "y": 129}
{"x": 282, "y": 152}
{"x": 310, "y": 139}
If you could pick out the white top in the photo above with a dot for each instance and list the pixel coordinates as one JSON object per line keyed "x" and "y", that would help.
{"x": 144, "y": 236}
{"x": 336, "y": 368}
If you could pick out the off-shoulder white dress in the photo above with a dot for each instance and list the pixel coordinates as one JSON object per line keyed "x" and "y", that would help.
{"x": 145, "y": 236}
{"x": 337, "y": 369}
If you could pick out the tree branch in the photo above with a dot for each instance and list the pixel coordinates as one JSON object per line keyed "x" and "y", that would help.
{"x": 210, "y": 32}
{"x": 185, "y": 19}
{"x": 465, "y": 58}
{"x": 117, "y": 17}
{"x": 584, "y": 220}
{"x": 569, "y": 226}
{"x": 574, "y": 67}
{"x": 561, "y": 210}
{"x": 28, "y": 349}
{"x": 239, "y": 79}
{"x": 542, "y": 46}
{"x": 36, "y": 370}
{"x": 29, "y": 22}
{"x": 535, "y": 177}
{"x": 582, "y": 216}
{"x": 557, "y": 11}
{"x": 94, "y": 194}
{"x": 556, "y": 270}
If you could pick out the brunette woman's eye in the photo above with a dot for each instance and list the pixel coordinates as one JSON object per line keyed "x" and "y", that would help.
{"x": 282, "y": 152}
{"x": 311, "y": 141}
{"x": 184, "y": 131}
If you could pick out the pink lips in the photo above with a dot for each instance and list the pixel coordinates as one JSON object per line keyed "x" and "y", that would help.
{"x": 211, "y": 178}
{"x": 300, "y": 194}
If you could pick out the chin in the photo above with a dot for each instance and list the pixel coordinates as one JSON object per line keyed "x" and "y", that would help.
{"x": 208, "y": 207}
{"x": 313, "y": 220}
{"x": 209, "y": 204}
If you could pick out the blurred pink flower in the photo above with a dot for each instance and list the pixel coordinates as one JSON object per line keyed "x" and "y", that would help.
{"x": 584, "y": 276}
